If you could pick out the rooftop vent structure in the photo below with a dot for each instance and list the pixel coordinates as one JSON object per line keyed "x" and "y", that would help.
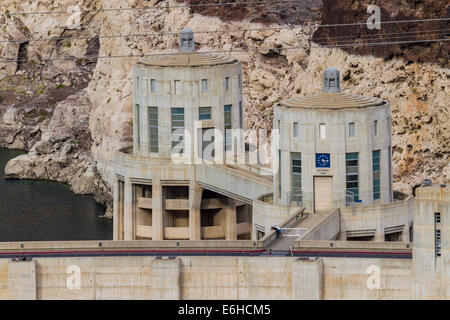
{"x": 331, "y": 81}
{"x": 187, "y": 40}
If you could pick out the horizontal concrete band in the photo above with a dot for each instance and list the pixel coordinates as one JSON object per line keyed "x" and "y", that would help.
{"x": 354, "y": 246}
{"x": 52, "y": 246}
{"x": 182, "y": 233}
{"x": 203, "y": 278}
{"x": 55, "y": 246}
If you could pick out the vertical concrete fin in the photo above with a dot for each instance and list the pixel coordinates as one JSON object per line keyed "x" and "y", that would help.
{"x": 165, "y": 279}
{"x": 307, "y": 279}
{"x": 22, "y": 280}
{"x": 157, "y": 209}
{"x": 129, "y": 220}
{"x": 116, "y": 204}
{"x": 195, "y": 201}
{"x": 230, "y": 220}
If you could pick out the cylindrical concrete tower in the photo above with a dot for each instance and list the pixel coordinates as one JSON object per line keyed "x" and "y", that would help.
{"x": 188, "y": 90}
{"x": 177, "y": 99}
{"x": 334, "y": 148}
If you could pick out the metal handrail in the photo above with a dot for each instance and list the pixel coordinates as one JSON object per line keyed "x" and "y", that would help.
{"x": 295, "y": 196}
{"x": 350, "y": 200}
{"x": 292, "y": 232}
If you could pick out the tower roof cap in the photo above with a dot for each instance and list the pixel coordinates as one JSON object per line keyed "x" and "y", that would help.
{"x": 333, "y": 101}
{"x": 187, "y": 59}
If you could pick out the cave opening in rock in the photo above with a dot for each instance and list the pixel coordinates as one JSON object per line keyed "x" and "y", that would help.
{"x": 22, "y": 56}
{"x": 274, "y": 57}
{"x": 93, "y": 49}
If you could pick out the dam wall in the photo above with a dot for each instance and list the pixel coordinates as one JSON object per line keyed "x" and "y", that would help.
{"x": 194, "y": 277}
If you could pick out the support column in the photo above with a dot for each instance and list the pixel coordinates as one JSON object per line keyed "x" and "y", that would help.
{"x": 230, "y": 220}
{"x": 254, "y": 234}
{"x": 379, "y": 235}
{"x": 404, "y": 236}
{"x": 157, "y": 209}
{"x": 116, "y": 204}
{"x": 342, "y": 231}
{"x": 128, "y": 221}
{"x": 195, "y": 201}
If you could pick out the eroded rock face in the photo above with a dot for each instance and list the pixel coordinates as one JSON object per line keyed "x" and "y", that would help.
{"x": 85, "y": 126}
{"x": 63, "y": 153}
{"x": 43, "y": 147}
{"x": 43, "y": 107}
{"x": 10, "y": 116}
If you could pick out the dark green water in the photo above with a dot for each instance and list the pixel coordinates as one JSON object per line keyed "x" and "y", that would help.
{"x": 47, "y": 211}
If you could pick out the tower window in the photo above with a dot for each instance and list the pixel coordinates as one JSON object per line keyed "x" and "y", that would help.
{"x": 153, "y": 85}
{"x": 296, "y": 171}
{"x": 227, "y": 126}
{"x": 438, "y": 242}
{"x": 322, "y": 131}
{"x": 241, "y": 115}
{"x": 177, "y": 130}
{"x": 351, "y": 129}
{"x": 295, "y": 129}
{"x": 332, "y": 82}
{"x": 227, "y": 83}
{"x": 153, "y": 128}
{"x": 204, "y": 86}
{"x": 437, "y": 217}
{"x": 279, "y": 173}
{"x": 204, "y": 113}
{"x": 352, "y": 174}
{"x": 375, "y": 127}
{"x": 376, "y": 174}
{"x": 437, "y": 220}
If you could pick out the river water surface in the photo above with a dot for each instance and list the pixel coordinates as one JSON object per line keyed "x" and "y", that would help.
{"x": 47, "y": 211}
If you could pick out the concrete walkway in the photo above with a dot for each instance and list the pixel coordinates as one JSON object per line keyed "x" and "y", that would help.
{"x": 287, "y": 242}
